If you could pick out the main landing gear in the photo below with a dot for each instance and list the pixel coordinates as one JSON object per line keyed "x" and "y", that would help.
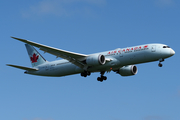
{"x": 102, "y": 77}
{"x": 85, "y": 73}
{"x": 160, "y": 64}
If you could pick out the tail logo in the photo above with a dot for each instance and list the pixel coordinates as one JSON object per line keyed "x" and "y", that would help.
{"x": 34, "y": 58}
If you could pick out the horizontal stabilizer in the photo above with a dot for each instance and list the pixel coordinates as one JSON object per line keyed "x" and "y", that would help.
{"x": 23, "y": 68}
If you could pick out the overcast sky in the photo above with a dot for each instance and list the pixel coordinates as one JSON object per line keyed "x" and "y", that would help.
{"x": 89, "y": 26}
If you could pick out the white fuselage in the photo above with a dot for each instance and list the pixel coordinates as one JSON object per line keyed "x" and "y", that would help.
{"x": 115, "y": 59}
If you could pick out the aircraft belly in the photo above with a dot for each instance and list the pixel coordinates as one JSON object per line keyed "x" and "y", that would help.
{"x": 64, "y": 70}
{"x": 57, "y": 71}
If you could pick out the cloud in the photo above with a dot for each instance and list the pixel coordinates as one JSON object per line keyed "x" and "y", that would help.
{"x": 165, "y": 3}
{"x": 62, "y": 7}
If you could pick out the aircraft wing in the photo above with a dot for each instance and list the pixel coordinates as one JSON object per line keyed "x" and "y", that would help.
{"x": 23, "y": 68}
{"x": 74, "y": 58}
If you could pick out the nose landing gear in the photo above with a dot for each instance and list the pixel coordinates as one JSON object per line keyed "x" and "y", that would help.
{"x": 160, "y": 64}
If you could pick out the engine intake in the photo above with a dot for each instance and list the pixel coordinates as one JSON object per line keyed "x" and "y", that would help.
{"x": 128, "y": 70}
{"x": 96, "y": 60}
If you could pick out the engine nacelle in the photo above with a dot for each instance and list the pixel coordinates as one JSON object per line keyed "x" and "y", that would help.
{"x": 128, "y": 70}
{"x": 96, "y": 60}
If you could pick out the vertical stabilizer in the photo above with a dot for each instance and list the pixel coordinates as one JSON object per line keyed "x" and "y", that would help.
{"x": 35, "y": 57}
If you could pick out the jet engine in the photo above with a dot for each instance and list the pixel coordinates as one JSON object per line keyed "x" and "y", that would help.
{"x": 96, "y": 60}
{"x": 128, "y": 70}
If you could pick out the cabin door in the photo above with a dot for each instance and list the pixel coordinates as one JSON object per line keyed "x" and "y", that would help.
{"x": 153, "y": 48}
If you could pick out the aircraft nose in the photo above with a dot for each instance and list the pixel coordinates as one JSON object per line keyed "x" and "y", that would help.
{"x": 172, "y": 52}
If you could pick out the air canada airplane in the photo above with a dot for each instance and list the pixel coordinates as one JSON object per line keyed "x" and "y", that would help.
{"x": 120, "y": 60}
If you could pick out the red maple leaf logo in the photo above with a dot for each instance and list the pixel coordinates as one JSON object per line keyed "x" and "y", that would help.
{"x": 145, "y": 46}
{"x": 34, "y": 58}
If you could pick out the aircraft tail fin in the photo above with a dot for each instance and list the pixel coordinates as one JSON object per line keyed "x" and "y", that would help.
{"x": 35, "y": 57}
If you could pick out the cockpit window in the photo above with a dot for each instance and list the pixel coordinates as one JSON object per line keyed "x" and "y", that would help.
{"x": 166, "y": 47}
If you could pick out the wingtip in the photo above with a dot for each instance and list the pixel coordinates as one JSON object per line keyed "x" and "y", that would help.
{"x": 18, "y": 39}
{"x": 8, "y": 65}
{"x": 14, "y": 37}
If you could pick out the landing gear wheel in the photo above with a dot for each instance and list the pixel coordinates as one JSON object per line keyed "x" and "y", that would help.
{"x": 100, "y": 79}
{"x": 85, "y": 73}
{"x": 88, "y": 73}
{"x": 82, "y": 74}
{"x": 160, "y": 65}
{"x": 160, "y": 60}
{"x": 105, "y": 78}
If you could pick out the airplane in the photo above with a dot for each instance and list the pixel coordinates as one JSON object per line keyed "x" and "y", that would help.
{"x": 120, "y": 60}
